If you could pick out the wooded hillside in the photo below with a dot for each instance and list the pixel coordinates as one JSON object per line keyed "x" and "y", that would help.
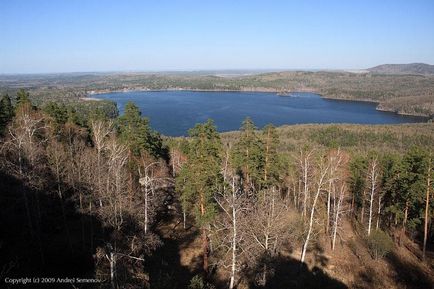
{"x": 309, "y": 206}
{"x": 406, "y": 94}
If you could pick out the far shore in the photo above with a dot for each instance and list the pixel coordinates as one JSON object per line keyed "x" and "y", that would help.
{"x": 87, "y": 98}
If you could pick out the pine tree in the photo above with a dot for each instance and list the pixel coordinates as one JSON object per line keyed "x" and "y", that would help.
{"x": 22, "y": 98}
{"x": 201, "y": 177}
{"x": 392, "y": 187}
{"x": 136, "y": 132}
{"x": 59, "y": 113}
{"x": 248, "y": 156}
{"x": 415, "y": 164}
{"x": 357, "y": 184}
{"x": 428, "y": 210}
{"x": 6, "y": 112}
{"x": 270, "y": 140}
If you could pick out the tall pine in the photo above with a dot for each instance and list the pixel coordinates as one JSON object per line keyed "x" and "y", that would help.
{"x": 6, "y": 112}
{"x": 270, "y": 140}
{"x": 248, "y": 156}
{"x": 201, "y": 177}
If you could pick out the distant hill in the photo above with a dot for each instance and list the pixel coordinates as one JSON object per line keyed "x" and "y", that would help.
{"x": 411, "y": 68}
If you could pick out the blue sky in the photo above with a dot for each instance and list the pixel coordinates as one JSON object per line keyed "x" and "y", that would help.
{"x": 89, "y": 35}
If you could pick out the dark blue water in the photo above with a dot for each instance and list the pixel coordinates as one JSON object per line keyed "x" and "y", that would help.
{"x": 173, "y": 112}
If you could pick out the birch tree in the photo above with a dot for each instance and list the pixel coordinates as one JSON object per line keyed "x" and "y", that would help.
{"x": 429, "y": 175}
{"x": 320, "y": 183}
{"x": 153, "y": 178}
{"x": 270, "y": 228}
{"x": 229, "y": 229}
{"x": 100, "y": 131}
{"x": 335, "y": 159}
{"x": 305, "y": 163}
{"x": 25, "y": 150}
{"x": 373, "y": 174}
{"x": 338, "y": 212}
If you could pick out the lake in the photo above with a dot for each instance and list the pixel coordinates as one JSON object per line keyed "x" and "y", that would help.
{"x": 172, "y": 113}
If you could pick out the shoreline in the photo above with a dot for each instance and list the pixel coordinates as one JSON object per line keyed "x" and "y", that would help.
{"x": 378, "y": 107}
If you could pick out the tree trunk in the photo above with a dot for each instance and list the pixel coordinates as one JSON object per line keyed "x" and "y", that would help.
{"x": 335, "y": 229}
{"x": 404, "y": 223}
{"x": 146, "y": 210}
{"x": 378, "y": 213}
{"x": 112, "y": 269}
{"x": 205, "y": 250}
{"x": 328, "y": 208}
{"x": 312, "y": 211}
{"x": 370, "y": 212}
{"x": 336, "y": 221}
{"x": 91, "y": 226}
{"x": 267, "y": 148}
{"x": 234, "y": 241}
{"x": 352, "y": 206}
{"x": 305, "y": 188}
{"x": 373, "y": 177}
{"x": 204, "y": 236}
{"x": 425, "y": 231}
{"x": 184, "y": 217}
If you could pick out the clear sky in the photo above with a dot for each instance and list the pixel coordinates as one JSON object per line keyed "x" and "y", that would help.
{"x": 104, "y": 35}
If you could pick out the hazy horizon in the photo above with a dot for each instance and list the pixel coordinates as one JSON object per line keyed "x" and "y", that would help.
{"x": 141, "y": 36}
{"x": 181, "y": 71}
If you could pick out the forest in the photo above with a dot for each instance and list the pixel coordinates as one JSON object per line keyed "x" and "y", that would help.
{"x": 405, "y": 94}
{"x": 91, "y": 195}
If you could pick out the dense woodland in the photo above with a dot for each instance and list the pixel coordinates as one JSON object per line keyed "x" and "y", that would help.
{"x": 93, "y": 195}
{"x": 406, "y": 94}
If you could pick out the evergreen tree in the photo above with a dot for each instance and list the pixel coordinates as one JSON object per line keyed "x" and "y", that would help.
{"x": 64, "y": 121}
{"x": 22, "y": 98}
{"x": 415, "y": 165}
{"x": 74, "y": 118}
{"x": 6, "y": 112}
{"x": 59, "y": 113}
{"x": 248, "y": 156}
{"x": 392, "y": 186}
{"x": 136, "y": 132}
{"x": 357, "y": 184}
{"x": 201, "y": 177}
{"x": 270, "y": 140}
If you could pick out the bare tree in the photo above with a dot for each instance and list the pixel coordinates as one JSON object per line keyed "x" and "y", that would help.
{"x": 115, "y": 191}
{"x": 322, "y": 172}
{"x": 335, "y": 162}
{"x": 152, "y": 178}
{"x": 305, "y": 166}
{"x": 338, "y": 211}
{"x": 57, "y": 158}
{"x": 270, "y": 228}
{"x": 373, "y": 176}
{"x": 377, "y": 226}
{"x": 229, "y": 232}
{"x": 24, "y": 156}
{"x": 100, "y": 131}
{"x": 177, "y": 159}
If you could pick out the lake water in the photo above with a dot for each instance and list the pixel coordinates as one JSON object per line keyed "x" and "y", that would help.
{"x": 173, "y": 112}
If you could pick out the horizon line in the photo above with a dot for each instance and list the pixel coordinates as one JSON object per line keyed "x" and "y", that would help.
{"x": 205, "y": 70}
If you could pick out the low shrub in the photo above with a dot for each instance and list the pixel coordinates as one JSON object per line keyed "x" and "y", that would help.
{"x": 379, "y": 244}
{"x": 197, "y": 282}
